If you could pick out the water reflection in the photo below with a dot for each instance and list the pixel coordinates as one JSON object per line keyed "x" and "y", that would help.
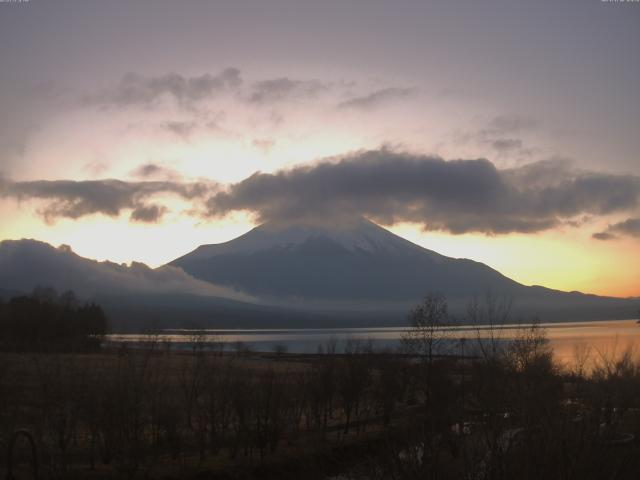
{"x": 569, "y": 340}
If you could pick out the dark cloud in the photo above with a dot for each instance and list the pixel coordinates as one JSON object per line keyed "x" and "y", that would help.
{"x": 154, "y": 171}
{"x": 148, "y": 213}
{"x": 387, "y": 186}
{"x": 377, "y": 98}
{"x": 629, "y": 227}
{"x": 603, "y": 236}
{"x": 578, "y": 222}
{"x": 145, "y": 91}
{"x": 147, "y": 170}
{"x": 282, "y": 89}
{"x": 457, "y": 196}
{"x": 76, "y": 199}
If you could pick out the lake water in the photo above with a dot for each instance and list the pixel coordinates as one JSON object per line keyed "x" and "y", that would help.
{"x": 567, "y": 339}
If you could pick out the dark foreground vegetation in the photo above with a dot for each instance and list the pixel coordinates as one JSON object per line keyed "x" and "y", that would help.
{"x": 479, "y": 408}
{"x": 46, "y": 321}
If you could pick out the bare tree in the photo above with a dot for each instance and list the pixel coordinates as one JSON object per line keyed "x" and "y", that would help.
{"x": 490, "y": 316}
{"x": 426, "y": 336}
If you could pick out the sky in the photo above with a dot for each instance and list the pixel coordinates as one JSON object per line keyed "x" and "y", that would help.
{"x": 501, "y": 131}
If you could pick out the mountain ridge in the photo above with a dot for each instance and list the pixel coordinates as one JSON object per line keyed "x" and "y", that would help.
{"x": 27, "y": 263}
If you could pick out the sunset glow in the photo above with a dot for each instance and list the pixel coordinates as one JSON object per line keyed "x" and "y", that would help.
{"x": 210, "y": 114}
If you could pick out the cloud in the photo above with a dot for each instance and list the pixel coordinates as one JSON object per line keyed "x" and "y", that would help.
{"x": 377, "y": 98}
{"x": 387, "y": 186}
{"x": 458, "y": 196}
{"x": 148, "y": 213}
{"x": 146, "y": 91}
{"x": 154, "y": 171}
{"x": 504, "y": 145}
{"x": 76, "y": 199}
{"x": 511, "y": 123}
{"x": 629, "y": 227}
{"x": 282, "y": 89}
{"x": 502, "y": 134}
{"x": 147, "y": 170}
{"x": 603, "y": 236}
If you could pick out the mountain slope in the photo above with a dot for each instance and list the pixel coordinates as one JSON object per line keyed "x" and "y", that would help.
{"x": 363, "y": 266}
{"x": 137, "y": 298}
{"x": 25, "y": 264}
{"x": 355, "y": 262}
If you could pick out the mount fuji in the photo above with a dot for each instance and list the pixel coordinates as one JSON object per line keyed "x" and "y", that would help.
{"x": 353, "y": 262}
{"x": 360, "y": 266}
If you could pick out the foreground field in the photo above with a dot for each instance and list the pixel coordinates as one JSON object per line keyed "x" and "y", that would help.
{"x": 156, "y": 413}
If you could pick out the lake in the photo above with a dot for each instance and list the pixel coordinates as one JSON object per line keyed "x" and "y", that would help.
{"x": 568, "y": 339}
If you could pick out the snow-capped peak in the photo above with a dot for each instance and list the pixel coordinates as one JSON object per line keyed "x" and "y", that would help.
{"x": 360, "y": 235}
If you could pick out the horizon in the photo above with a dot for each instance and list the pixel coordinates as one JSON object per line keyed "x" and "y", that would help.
{"x": 138, "y": 132}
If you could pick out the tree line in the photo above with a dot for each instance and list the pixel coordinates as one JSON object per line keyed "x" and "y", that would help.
{"x": 45, "y": 320}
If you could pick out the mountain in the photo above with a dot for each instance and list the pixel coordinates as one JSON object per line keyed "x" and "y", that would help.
{"x": 25, "y": 264}
{"x": 360, "y": 266}
{"x": 283, "y": 276}
{"x": 138, "y": 298}
{"x": 359, "y": 261}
